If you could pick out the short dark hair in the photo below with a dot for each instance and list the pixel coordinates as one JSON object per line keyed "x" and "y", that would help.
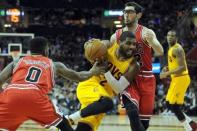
{"x": 126, "y": 34}
{"x": 173, "y": 30}
{"x": 38, "y": 45}
{"x": 138, "y": 8}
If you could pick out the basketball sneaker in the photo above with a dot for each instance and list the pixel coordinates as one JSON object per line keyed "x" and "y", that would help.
{"x": 193, "y": 125}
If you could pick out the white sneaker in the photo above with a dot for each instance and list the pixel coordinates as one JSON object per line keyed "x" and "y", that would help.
{"x": 70, "y": 120}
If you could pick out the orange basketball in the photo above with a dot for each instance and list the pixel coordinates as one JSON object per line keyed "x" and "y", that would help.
{"x": 95, "y": 49}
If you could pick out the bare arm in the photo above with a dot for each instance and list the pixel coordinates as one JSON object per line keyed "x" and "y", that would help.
{"x": 150, "y": 37}
{"x": 113, "y": 38}
{"x": 133, "y": 70}
{"x": 179, "y": 54}
{"x": 6, "y": 73}
{"x": 65, "y": 72}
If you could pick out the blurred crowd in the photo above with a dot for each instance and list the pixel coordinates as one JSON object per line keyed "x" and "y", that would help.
{"x": 68, "y": 28}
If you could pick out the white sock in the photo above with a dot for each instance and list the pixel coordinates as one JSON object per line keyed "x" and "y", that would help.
{"x": 186, "y": 125}
{"x": 187, "y": 118}
{"x": 75, "y": 116}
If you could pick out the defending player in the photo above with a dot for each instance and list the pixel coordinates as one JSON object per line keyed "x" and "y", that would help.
{"x": 142, "y": 92}
{"x": 32, "y": 78}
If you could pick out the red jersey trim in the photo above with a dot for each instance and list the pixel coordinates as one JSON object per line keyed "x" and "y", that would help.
{"x": 145, "y": 42}
{"x": 17, "y": 65}
{"x": 52, "y": 73}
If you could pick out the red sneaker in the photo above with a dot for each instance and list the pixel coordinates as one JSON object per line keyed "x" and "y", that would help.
{"x": 193, "y": 125}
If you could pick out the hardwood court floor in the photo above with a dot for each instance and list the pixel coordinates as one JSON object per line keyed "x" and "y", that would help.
{"x": 121, "y": 123}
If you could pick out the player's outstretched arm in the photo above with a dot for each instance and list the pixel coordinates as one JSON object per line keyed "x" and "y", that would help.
{"x": 125, "y": 80}
{"x": 150, "y": 37}
{"x": 6, "y": 73}
{"x": 65, "y": 72}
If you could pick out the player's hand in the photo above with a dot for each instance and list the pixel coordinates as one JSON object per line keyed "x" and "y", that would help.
{"x": 165, "y": 69}
{"x": 98, "y": 68}
{"x": 148, "y": 36}
{"x": 163, "y": 75}
{"x": 104, "y": 63}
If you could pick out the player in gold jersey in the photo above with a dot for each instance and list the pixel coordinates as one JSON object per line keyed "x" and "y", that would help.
{"x": 180, "y": 80}
{"x": 95, "y": 94}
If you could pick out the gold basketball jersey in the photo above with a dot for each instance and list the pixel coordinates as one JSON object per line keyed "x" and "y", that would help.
{"x": 116, "y": 66}
{"x": 172, "y": 60}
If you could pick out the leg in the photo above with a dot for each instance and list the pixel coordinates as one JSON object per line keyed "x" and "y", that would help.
{"x": 147, "y": 99}
{"x": 146, "y": 109}
{"x": 103, "y": 105}
{"x": 42, "y": 110}
{"x": 180, "y": 116}
{"x": 176, "y": 109}
{"x": 64, "y": 125}
{"x": 133, "y": 114}
{"x": 83, "y": 127}
{"x": 94, "y": 103}
{"x": 175, "y": 98}
{"x": 12, "y": 107}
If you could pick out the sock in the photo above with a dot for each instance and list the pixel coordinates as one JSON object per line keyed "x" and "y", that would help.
{"x": 75, "y": 116}
{"x": 187, "y": 118}
{"x": 186, "y": 125}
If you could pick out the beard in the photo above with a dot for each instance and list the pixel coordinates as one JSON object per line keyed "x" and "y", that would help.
{"x": 123, "y": 53}
{"x": 172, "y": 42}
{"x": 129, "y": 23}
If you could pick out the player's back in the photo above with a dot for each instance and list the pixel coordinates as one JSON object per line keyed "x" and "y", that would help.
{"x": 35, "y": 70}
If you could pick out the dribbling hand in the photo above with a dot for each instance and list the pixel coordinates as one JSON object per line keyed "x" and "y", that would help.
{"x": 165, "y": 69}
{"x": 98, "y": 68}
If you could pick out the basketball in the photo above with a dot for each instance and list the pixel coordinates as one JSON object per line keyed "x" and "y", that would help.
{"x": 95, "y": 49}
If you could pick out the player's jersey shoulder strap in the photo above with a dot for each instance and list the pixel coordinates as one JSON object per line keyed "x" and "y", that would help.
{"x": 17, "y": 63}
{"x": 118, "y": 34}
{"x": 138, "y": 33}
{"x": 139, "y": 36}
{"x": 113, "y": 48}
{"x": 52, "y": 71}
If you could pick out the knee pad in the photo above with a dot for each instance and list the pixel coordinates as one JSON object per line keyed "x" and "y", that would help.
{"x": 168, "y": 105}
{"x": 107, "y": 103}
{"x": 83, "y": 127}
{"x": 176, "y": 109}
